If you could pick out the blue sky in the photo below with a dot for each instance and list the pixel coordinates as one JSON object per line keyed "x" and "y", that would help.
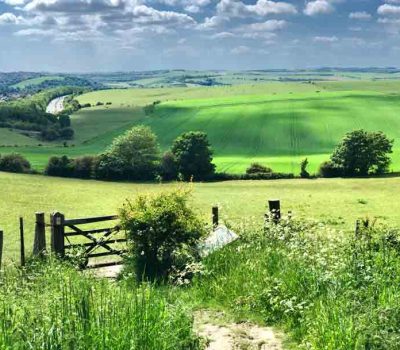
{"x": 110, "y": 35}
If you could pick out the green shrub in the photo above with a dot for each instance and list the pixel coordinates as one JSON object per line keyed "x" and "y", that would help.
{"x": 59, "y": 166}
{"x": 330, "y": 169}
{"x": 14, "y": 163}
{"x": 304, "y": 174}
{"x": 83, "y": 167}
{"x": 164, "y": 232}
{"x": 257, "y": 168}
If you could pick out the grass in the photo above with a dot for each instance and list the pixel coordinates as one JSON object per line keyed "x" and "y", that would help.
{"x": 332, "y": 201}
{"x": 81, "y": 312}
{"x": 36, "y": 81}
{"x": 278, "y": 124}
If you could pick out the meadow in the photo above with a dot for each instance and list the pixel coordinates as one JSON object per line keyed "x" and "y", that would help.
{"x": 277, "y": 124}
{"x": 334, "y": 202}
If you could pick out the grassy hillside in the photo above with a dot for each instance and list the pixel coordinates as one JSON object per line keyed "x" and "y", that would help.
{"x": 337, "y": 202}
{"x": 276, "y": 123}
{"x": 36, "y": 81}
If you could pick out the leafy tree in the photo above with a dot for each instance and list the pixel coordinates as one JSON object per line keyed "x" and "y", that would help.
{"x": 64, "y": 120}
{"x": 131, "y": 156}
{"x": 303, "y": 169}
{"x": 193, "y": 154}
{"x": 67, "y": 133}
{"x": 83, "y": 167}
{"x": 361, "y": 153}
{"x": 330, "y": 169}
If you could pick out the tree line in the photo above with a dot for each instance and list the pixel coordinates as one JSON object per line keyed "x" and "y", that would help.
{"x": 135, "y": 156}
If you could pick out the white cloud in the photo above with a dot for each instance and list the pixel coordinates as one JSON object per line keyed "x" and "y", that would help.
{"x": 240, "y": 50}
{"x": 318, "y": 7}
{"x": 360, "y": 15}
{"x": 261, "y": 8}
{"x": 325, "y": 39}
{"x": 388, "y": 10}
{"x": 223, "y": 35}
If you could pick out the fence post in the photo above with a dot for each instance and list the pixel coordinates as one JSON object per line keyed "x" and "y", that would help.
{"x": 275, "y": 209}
{"x": 22, "y": 240}
{"x": 357, "y": 230}
{"x": 1, "y": 246}
{"x": 215, "y": 217}
{"x": 57, "y": 234}
{"x": 39, "y": 244}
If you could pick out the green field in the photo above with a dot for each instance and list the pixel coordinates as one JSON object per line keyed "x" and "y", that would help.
{"x": 337, "y": 202}
{"x": 36, "y": 81}
{"x": 277, "y": 124}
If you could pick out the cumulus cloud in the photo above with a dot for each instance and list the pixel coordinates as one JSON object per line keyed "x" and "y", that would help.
{"x": 260, "y": 8}
{"x": 388, "y": 10}
{"x": 318, "y": 7}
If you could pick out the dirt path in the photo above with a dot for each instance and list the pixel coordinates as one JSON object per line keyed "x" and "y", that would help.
{"x": 235, "y": 336}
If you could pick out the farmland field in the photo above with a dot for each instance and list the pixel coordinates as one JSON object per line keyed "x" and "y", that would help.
{"x": 336, "y": 202}
{"x": 277, "y": 124}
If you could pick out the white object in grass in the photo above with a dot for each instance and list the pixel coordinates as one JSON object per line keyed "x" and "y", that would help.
{"x": 219, "y": 238}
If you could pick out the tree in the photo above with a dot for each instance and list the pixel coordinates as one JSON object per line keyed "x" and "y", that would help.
{"x": 304, "y": 174}
{"x": 361, "y": 153}
{"x": 59, "y": 166}
{"x": 193, "y": 155}
{"x": 132, "y": 156}
{"x": 14, "y": 163}
{"x": 168, "y": 167}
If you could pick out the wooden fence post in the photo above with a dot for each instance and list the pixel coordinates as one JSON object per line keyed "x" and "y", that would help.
{"x": 57, "y": 234}
{"x": 1, "y": 246}
{"x": 22, "y": 240}
{"x": 275, "y": 209}
{"x": 39, "y": 244}
{"x": 215, "y": 217}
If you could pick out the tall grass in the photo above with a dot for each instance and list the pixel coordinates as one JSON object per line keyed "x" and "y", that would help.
{"x": 54, "y": 307}
{"x": 328, "y": 293}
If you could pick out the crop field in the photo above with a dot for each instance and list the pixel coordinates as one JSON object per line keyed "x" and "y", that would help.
{"x": 336, "y": 202}
{"x": 277, "y": 124}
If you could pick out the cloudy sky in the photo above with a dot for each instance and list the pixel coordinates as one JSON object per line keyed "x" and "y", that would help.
{"x": 110, "y": 35}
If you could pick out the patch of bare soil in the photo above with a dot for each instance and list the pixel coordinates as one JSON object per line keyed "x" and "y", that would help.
{"x": 222, "y": 335}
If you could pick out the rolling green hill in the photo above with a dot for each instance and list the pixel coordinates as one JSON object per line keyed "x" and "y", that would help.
{"x": 277, "y": 124}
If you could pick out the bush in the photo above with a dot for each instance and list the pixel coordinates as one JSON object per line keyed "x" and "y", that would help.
{"x": 67, "y": 133}
{"x": 14, "y": 163}
{"x": 193, "y": 154}
{"x": 83, "y": 167}
{"x": 168, "y": 167}
{"x": 164, "y": 232}
{"x": 64, "y": 120}
{"x": 131, "y": 156}
{"x": 330, "y": 169}
{"x": 257, "y": 168}
{"x": 59, "y": 166}
{"x": 50, "y": 134}
{"x": 304, "y": 174}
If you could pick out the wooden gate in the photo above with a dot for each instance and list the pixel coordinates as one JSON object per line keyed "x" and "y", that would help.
{"x": 67, "y": 234}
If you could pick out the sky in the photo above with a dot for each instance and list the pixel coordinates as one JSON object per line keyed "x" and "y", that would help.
{"x": 121, "y": 35}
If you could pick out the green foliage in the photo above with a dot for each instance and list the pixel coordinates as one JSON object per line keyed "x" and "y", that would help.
{"x": 168, "y": 167}
{"x": 257, "y": 168}
{"x": 330, "y": 169}
{"x": 52, "y": 306}
{"x": 83, "y": 167}
{"x": 131, "y": 156}
{"x": 327, "y": 291}
{"x": 303, "y": 169}
{"x": 193, "y": 155}
{"x": 164, "y": 232}
{"x": 14, "y": 163}
{"x": 59, "y": 166}
{"x": 361, "y": 153}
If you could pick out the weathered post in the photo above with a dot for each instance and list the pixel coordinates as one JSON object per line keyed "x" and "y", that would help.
{"x": 22, "y": 240}
{"x": 57, "y": 234}
{"x": 1, "y": 246}
{"x": 275, "y": 209}
{"x": 39, "y": 244}
{"x": 215, "y": 217}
